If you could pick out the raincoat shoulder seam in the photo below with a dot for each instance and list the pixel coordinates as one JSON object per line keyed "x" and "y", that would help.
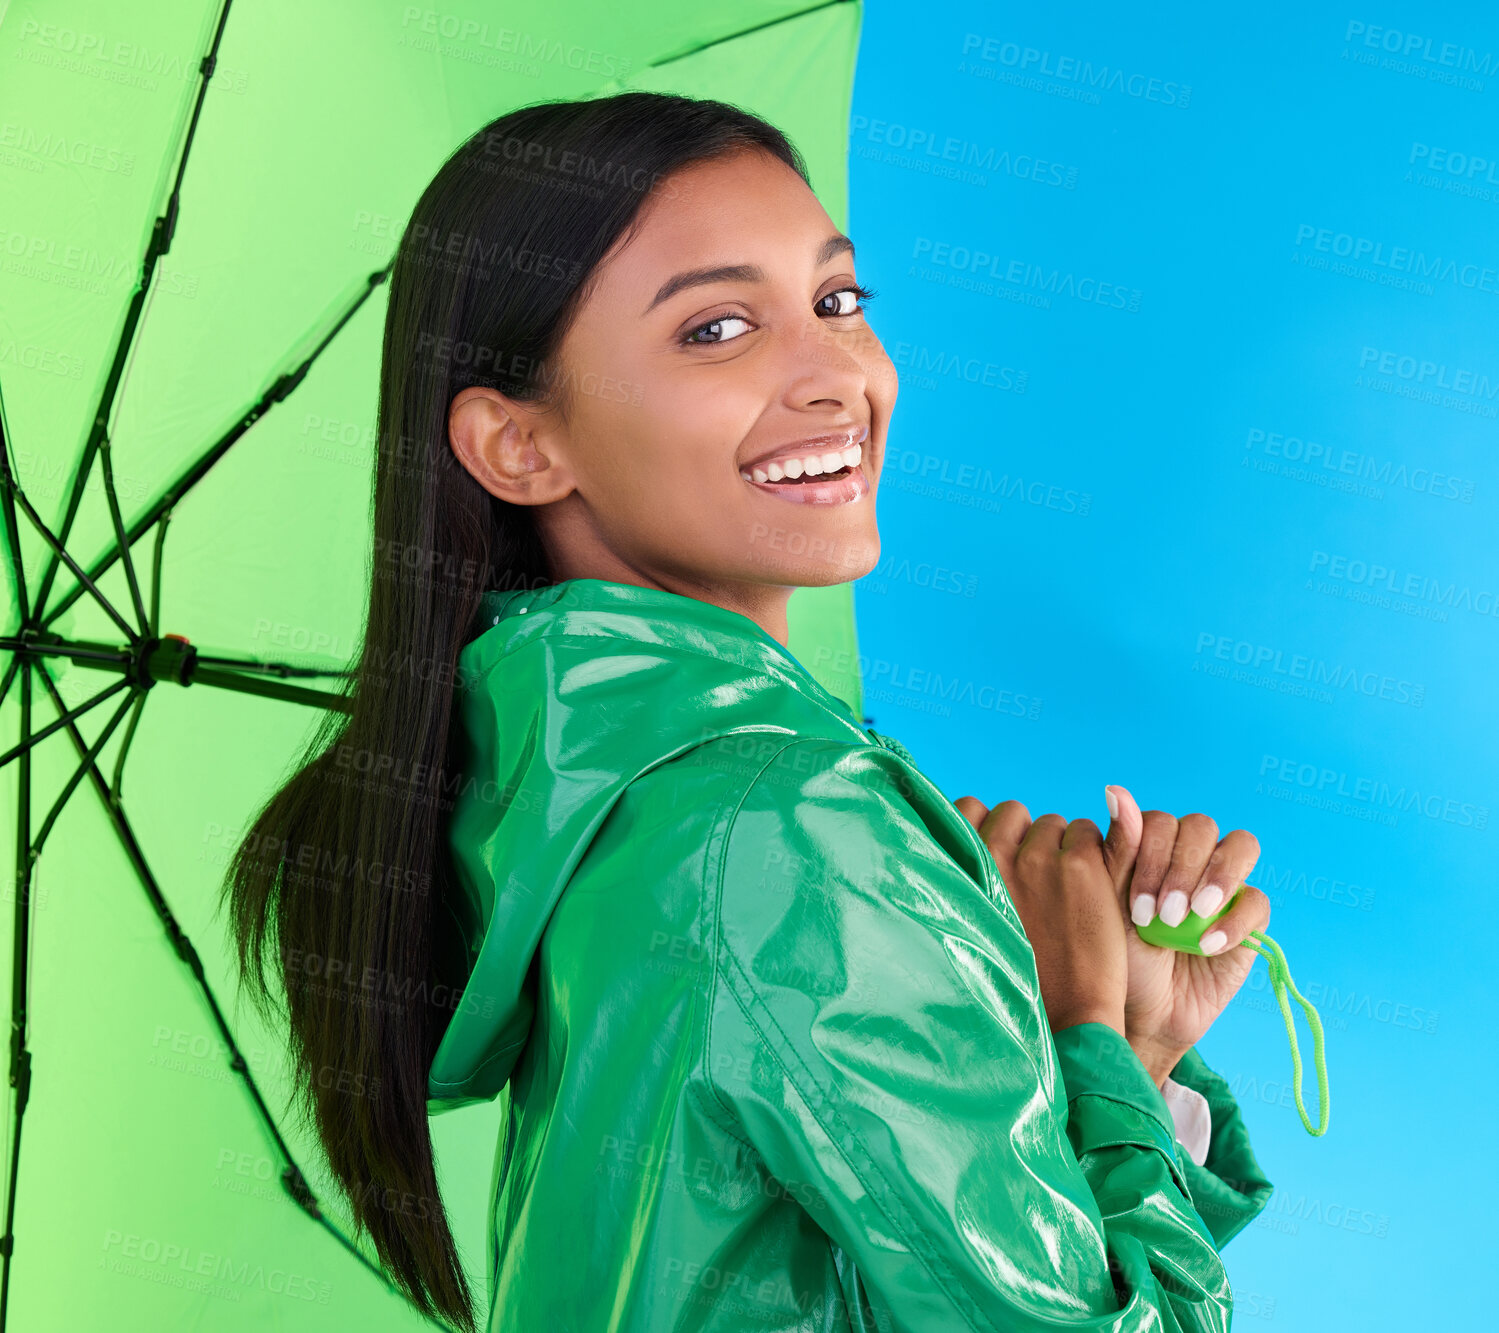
{"x": 715, "y": 865}
{"x": 453, "y": 1084}
{"x": 900, "y": 1224}
{"x": 884, "y": 1200}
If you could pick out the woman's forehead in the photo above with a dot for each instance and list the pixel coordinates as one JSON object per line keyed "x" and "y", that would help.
{"x": 752, "y": 214}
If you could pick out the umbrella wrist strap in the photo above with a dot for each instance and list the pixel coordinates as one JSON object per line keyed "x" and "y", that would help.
{"x": 1280, "y": 980}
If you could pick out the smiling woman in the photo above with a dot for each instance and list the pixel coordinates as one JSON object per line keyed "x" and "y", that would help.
{"x": 754, "y": 364}
{"x": 767, "y": 1024}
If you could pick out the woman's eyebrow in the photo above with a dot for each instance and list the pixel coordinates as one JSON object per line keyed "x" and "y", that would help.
{"x": 835, "y": 244}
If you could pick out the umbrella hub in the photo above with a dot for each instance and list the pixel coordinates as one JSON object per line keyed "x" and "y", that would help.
{"x": 170, "y": 657}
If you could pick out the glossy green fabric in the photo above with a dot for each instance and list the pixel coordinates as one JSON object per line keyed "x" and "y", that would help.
{"x": 767, "y": 1024}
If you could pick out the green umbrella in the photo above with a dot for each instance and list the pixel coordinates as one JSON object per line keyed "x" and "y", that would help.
{"x": 200, "y": 205}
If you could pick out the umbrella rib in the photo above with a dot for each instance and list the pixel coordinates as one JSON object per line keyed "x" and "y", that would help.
{"x": 199, "y": 468}
{"x": 105, "y": 460}
{"x": 156, "y": 563}
{"x": 742, "y": 32}
{"x": 58, "y": 550}
{"x": 88, "y": 759}
{"x": 20, "y": 1057}
{"x": 8, "y": 485}
{"x": 115, "y": 785}
{"x": 118, "y": 781}
{"x": 35, "y": 737}
{"x": 292, "y": 1178}
{"x": 10, "y": 675}
{"x": 12, "y": 533}
{"x": 160, "y": 243}
{"x": 87, "y": 583}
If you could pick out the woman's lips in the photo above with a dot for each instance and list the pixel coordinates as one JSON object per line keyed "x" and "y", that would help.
{"x": 843, "y": 489}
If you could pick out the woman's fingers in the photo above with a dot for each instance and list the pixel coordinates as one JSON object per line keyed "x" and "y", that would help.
{"x": 1079, "y": 835}
{"x": 1157, "y": 839}
{"x": 1172, "y": 864}
{"x": 972, "y": 809}
{"x": 1122, "y": 844}
{"x": 1044, "y": 836}
{"x": 1228, "y": 867}
{"x": 1001, "y": 828}
{"x": 1039, "y": 845}
{"x": 1196, "y": 837}
{"x": 1067, "y": 904}
{"x": 1251, "y": 911}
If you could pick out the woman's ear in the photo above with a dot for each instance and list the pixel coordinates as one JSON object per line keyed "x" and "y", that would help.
{"x": 499, "y": 440}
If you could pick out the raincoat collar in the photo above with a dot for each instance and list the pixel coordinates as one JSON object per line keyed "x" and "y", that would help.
{"x": 567, "y": 694}
{"x": 657, "y": 617}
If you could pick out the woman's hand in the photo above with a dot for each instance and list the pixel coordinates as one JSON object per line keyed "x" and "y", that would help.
{"x": 1172, "y": 998}
{"x": 1068, "y": 887}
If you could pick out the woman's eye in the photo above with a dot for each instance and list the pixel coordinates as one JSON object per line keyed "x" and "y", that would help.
{"x": 855, "y": 292}
{"x": 717, "y": 323}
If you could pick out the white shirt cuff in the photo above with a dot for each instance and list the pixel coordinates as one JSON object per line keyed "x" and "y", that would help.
{"x": 1194, "y": 1121}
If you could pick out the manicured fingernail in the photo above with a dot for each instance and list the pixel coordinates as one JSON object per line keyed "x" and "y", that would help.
{"x": 1143, "y": 909}
{"x": 1213, "y": 941}
{"x": 1174, "y": 909}
{"x": 1207, "y": 900}
{"x": 1112, "y": 801}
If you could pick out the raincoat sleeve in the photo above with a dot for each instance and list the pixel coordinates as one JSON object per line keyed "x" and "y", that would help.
{"x": 1229, "y": 1190}
{"x": 877, "y": 1037}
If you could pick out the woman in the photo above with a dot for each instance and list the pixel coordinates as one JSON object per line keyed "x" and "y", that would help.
{"x": 788, "y": 1039}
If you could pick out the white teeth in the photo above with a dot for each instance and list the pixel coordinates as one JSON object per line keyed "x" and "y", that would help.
{"x": 813, "y": 465}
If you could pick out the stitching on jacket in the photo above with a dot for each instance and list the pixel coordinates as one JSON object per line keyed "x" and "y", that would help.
{"x": 1177, "y": 1173}
{"x": 989, "y": 880}
{"x": 1150, "y": 1116}
{"x": 885, "y": 1197}
{"x": 489, "y": 1060}
{"x": 728, "y": 1122}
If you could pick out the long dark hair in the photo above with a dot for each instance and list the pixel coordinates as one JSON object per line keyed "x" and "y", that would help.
{"x": 343, "y": 872}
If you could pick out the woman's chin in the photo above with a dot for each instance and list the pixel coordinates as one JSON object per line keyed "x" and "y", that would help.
{"x": 826, "y": 568}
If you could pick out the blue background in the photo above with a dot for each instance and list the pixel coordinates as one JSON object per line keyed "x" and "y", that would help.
{"x": 1134, "y": 538}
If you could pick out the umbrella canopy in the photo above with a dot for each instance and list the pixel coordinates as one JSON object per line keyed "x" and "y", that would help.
{"x": 201, "y": 201}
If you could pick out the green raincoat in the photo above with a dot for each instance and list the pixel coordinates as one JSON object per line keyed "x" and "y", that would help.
{"x": 767, "y": 1023}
